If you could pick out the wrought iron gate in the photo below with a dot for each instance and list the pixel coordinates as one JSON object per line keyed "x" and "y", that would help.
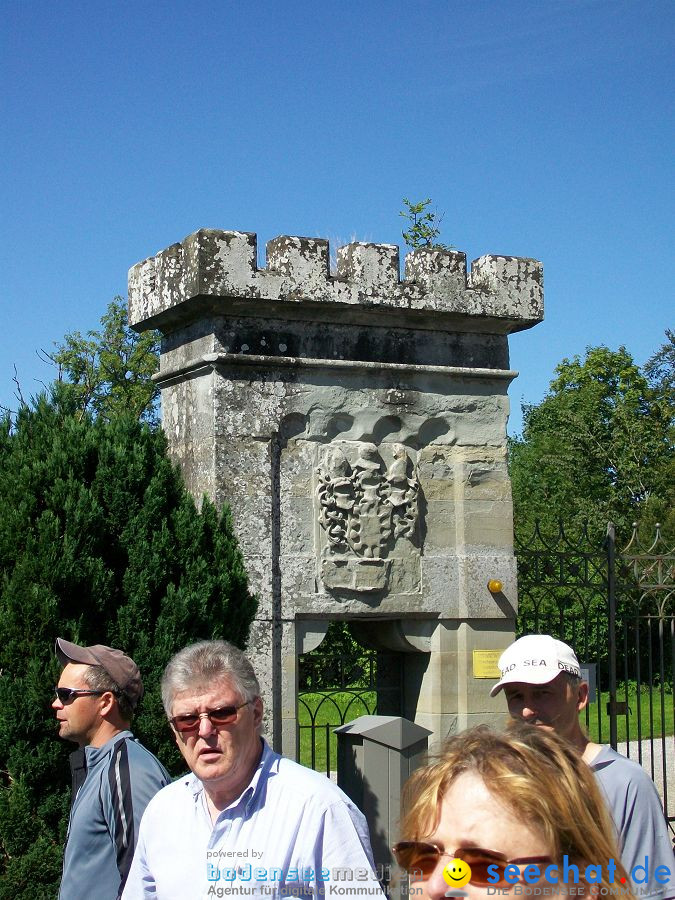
{"x": 338, "y": 682}
{"x": 617, "y": 609}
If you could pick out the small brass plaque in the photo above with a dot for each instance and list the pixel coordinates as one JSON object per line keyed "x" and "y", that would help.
{"x": 485, "y": 663}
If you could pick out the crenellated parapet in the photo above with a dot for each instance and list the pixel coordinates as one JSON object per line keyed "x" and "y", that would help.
{"x": 219, "y": 269}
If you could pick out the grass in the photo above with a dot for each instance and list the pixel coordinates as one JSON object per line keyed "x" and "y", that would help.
{"x": 597, "y": 711}
{"x": 327, "y": 710}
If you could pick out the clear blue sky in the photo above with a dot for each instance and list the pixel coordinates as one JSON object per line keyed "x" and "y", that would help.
{"x": 541, "y": 129}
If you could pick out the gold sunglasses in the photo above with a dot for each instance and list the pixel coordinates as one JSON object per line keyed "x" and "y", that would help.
{"x": 420, "y": 858}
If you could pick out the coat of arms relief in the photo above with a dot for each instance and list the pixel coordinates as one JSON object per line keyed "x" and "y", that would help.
{"x": 368, "y": 513}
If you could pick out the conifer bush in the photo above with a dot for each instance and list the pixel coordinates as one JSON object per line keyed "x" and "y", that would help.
{"x": 100, "y": 542}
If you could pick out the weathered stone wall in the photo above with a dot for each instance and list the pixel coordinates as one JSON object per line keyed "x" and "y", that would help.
{"x": 356, "y": 424}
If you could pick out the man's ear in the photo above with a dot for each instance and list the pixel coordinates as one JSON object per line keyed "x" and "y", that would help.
{"x": 582, "y": 696}
{"x": 107, "y": 703}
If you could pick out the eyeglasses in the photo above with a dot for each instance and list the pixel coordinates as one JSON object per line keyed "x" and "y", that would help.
{"x": 224, "y": 715}
{"x": 65, "y": 695}
{"x": 420, "y": 859}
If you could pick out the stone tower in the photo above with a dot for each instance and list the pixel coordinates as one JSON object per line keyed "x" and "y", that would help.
{"x": 356, "y": 425}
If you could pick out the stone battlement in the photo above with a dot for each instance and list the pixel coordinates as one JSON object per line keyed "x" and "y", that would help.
{"x": 219, "y": 268}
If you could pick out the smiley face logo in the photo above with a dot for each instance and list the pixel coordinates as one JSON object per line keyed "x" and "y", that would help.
{"x": 457, "y": 873}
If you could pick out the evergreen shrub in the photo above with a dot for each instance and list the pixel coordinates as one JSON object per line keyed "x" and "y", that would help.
{"x": 100, "y": 542}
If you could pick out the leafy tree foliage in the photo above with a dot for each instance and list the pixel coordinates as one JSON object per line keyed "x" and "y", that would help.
{"x": 599, "y": 447}
{"x": 338, "y": 662}
{"x": 660, "y": 368}
{"x": 423, "y": 226}
{"x": 100, "y": 543}
{"x": 109, "y": 371}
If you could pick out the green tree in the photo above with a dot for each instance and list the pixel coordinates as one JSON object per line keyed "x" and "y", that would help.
{"x": 660, "y": 369}
{"x": 109, "y": 371}
{"x": 423, "y": 226}
{"x": 598, "y": 448}
{"x": 100, "y": 543}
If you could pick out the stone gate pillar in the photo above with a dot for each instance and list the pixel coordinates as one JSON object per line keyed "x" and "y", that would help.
{"x": 356, "y": 425}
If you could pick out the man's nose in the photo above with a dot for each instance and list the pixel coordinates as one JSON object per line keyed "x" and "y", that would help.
{"x": 529, "y": 710}
{"x": 56, "y": 703}
{"x": 206, "y": 727}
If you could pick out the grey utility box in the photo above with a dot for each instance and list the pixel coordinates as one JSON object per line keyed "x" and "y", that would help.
{"x": 375, "y": 756}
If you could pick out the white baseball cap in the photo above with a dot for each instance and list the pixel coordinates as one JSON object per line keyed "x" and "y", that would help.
{"x": 535, "y": 659}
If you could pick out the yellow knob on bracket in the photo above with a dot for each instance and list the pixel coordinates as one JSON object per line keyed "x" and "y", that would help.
{"x": 495, "y": 586}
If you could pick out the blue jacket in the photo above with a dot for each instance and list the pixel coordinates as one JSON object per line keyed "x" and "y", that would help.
{"x": 112, "y": 785}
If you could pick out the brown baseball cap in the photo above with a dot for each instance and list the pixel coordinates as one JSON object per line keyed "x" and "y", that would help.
{"x": 121, "y": 668}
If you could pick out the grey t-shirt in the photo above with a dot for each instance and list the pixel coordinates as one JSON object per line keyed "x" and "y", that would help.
{"x": 638, "y": 815}
{"x": 121, "y": 778}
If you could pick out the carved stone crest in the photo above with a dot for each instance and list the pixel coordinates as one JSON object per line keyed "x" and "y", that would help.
{"x": 368, "y": 511}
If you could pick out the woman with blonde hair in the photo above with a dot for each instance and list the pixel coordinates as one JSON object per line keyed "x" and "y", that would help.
{"x": 518, "y": 807}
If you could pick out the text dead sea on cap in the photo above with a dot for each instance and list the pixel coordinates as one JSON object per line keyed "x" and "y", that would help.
{"x": 563, "y": 667}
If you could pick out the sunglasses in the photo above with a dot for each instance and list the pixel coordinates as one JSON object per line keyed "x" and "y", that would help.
{"x": 224, "y": 715}
{"x": 419, "y": 859}
{"x": 65, "y": 695}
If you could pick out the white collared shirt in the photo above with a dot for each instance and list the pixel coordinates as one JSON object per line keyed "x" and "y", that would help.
{"x": 291, "y": 833}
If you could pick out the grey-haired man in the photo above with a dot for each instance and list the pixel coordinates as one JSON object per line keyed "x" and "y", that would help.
{"x": 541, "y": 679}
{"x": 114, "y": 776}
{"x": 245, "y": 821}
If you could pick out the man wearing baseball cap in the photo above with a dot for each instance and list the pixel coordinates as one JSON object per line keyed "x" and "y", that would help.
{"x": 114, "y": 776}
{"x": 541, "y": 679}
